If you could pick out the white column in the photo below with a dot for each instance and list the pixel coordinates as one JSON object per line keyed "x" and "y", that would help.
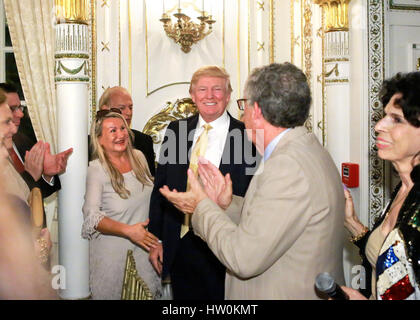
{"x": 336, "y": 61}
{"x": 72, "y": 80}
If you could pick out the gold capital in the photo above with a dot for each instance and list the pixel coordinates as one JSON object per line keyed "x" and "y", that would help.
{"x": 336, "y": 14}
{"x": 72, "y": 11}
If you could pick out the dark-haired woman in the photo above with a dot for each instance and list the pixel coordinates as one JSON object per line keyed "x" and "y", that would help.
{"x": 392, "y": 247}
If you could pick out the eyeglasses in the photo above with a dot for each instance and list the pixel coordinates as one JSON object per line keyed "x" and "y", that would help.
{"x": 241, "y": 104}
{"x": 102, "y": 113}
{"x": 16, "y": 108}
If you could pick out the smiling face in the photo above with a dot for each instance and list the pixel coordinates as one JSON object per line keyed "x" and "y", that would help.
{"x": 114, "y": 137}
{"x": 121, "y": 99}
{"x": 13, "y": 101}
{"x": 211, "y": 96}
{"x": 398, "y": 141}
{"x": 7, "y": 127}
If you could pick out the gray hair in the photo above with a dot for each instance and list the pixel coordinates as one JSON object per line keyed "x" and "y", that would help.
{"x": 105, "y": 99}
{"x": 282, "y": 92}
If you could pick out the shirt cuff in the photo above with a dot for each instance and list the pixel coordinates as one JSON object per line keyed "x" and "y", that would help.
{"x": 51, "y": 183}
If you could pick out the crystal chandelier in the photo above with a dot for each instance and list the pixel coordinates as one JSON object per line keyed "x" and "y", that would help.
{"x": 184, "y": 31}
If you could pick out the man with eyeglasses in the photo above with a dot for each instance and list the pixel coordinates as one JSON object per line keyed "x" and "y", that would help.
{"x": 33, "y": 160}
{"x": 290, "y": 225}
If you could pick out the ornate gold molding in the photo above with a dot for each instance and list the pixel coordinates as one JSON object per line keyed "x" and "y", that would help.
{"x": 93, "y": 56}
{"x": 72, "y": 11}
{"x": 181, "y": 109}
{"x": 307, "y": 39}
{"x": 337, "y": 18}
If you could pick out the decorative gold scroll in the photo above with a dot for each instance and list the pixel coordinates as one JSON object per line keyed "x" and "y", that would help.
{"x": 336, "y": 14}
{"x": 72, "y": 11}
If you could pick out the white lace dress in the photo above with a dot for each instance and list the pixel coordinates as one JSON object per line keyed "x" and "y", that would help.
{"x": 107, "y": 254}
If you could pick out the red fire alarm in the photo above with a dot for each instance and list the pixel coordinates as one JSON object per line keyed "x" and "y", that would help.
{"x": 350, "y": 174}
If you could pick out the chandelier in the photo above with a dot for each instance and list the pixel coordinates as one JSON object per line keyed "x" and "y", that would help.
{"x": 184, "y": 31}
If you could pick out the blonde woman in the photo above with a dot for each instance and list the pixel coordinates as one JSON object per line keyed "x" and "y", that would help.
{"x": 116, "y": 207}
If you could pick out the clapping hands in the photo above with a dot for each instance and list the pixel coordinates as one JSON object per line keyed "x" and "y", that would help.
{"x": 39, "y": 161}
{"x": 55, "y": 164}
{"x": 213, "y": 185}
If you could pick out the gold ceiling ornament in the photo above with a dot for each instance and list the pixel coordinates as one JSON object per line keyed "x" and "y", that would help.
{"x": 72, "y": 11}
{"x": 184, "y": 31}
{"x": 336, "y": 11}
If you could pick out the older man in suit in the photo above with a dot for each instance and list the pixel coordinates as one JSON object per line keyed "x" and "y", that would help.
{"x": 194, "y": 271}
{"x": 32, "y": 159}
{"x": 289, "y": 226}
{"x": 120, "y": 98}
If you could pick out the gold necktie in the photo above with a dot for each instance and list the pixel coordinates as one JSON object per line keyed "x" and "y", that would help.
{"x": 198, "y": 150}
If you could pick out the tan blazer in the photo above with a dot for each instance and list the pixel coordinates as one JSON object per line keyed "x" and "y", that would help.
{"x": 290, "y": 226}
{"x": 13, "y": 182}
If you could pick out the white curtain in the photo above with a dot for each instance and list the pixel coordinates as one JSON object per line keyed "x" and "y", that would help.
{"x": 31, "y": 26}
{"x": 31, "y": 30}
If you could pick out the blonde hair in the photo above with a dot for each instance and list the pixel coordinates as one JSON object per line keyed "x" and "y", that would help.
{"x": 138, "y": 163}
{"x": 211, "y": 71}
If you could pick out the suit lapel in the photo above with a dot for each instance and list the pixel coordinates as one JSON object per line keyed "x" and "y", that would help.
{"x": 181, "y": 168}
{"x": 228, "y": 149}
{"x": 191, "y": 125}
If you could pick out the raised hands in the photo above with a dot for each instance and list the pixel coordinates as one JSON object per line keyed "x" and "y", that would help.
{"x": 186, "y": 201}
{"x": 217, "y": 187}
{"x": 214, "y": 185}
{"x": 351, "y": 220}
{"x": 39, "y": 161}
{"x": 55, "y": 164}
{"x": 34, "y": 160}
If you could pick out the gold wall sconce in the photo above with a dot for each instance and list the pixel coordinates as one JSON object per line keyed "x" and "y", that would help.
{"x": 184, "y": 31}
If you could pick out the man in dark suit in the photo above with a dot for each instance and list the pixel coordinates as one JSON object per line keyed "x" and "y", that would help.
{"x": 32, "y": 159}
{"x": 120, "y": 98}
{"x": 194, "y": 270}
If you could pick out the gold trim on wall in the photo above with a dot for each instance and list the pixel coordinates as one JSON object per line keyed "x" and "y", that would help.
{"x": 130, "y": 52}
{"x": 324, "y": 93}
{"x": 271, "y": 31}
{"x": 292, "y": 31}
{"x": 93, "y": 56}
{"x": 119, "y": 44}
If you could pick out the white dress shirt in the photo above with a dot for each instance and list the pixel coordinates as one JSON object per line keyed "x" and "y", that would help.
{"x": 217, "y": 137}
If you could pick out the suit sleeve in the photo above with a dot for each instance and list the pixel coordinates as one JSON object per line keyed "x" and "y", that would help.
{"x": 23, "y": 144}
{"x": 150, "y": 154}
{"x": 157, "y": 201}
{"x": 276, "y": 215}
{"x": 47, "y": 189}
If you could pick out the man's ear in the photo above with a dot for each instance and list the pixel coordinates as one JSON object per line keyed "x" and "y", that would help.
{"x": 256, "y": 111}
